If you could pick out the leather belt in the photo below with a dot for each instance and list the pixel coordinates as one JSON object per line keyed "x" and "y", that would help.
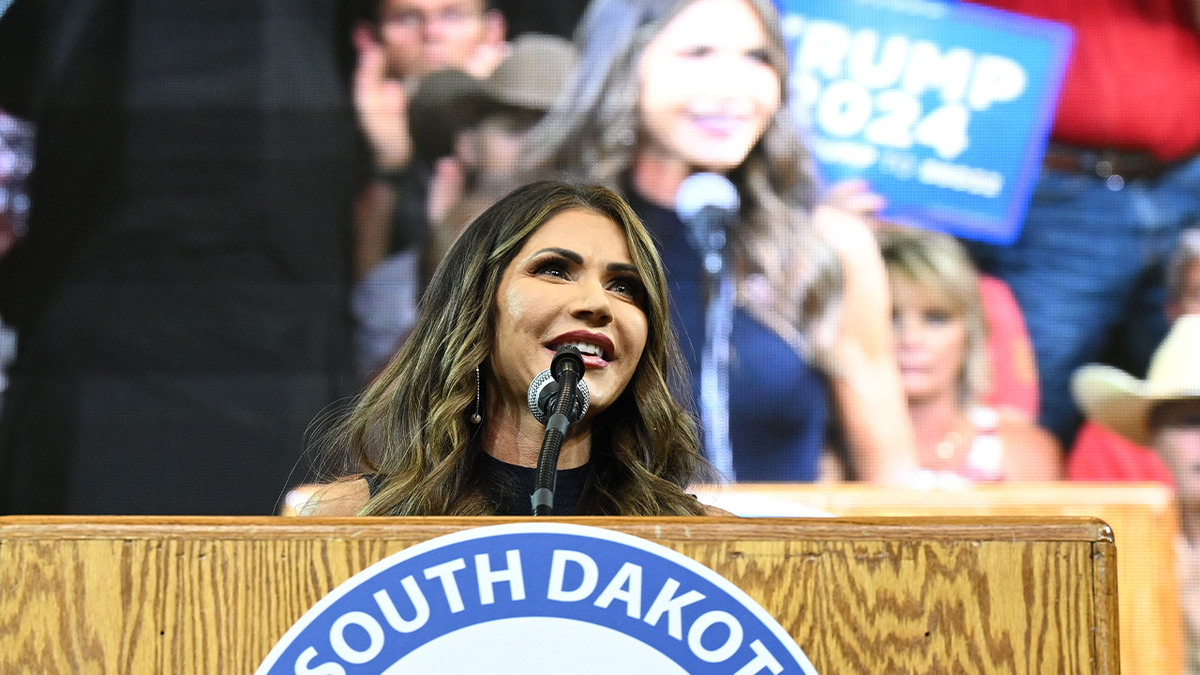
{"x": 1127, "y": 164}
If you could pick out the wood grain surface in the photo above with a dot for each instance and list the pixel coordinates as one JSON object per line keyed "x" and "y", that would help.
{"x": 212, "y": 595}
{"x": 1143, "y": 517}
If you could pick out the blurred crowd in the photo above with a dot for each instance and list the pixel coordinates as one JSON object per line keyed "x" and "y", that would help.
{"x": 983, "y": 340}
{"x": 16, "y": 163}
{"x": 236, "y": 207}
{"x": 235, "y": 210}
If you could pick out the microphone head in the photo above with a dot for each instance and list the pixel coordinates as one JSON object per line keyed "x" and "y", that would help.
{"x": 543, "y": 392}
{"x": 703, "y": 190}
{"x": 566, "y": 357}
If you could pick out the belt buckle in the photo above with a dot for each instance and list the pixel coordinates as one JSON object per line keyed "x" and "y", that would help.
{"x": 1104, "y": 166}
{"x": 1108, "y": 167}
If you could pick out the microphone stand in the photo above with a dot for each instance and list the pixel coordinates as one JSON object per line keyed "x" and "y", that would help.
{"x": 708, "y": 204}
{"x": 567, "y": 368}
{"x": 714, "y": 361}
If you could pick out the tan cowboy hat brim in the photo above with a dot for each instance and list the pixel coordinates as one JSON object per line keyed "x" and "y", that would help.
{"x": 1115, "y": 400}
{"x": 1123, "y": 403}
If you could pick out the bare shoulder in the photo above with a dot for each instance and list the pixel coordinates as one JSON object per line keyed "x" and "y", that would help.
{"x": 1019, "y": 432}
{"x": 340, "y": 498}
{"x": 865, "y": 283}
{"x": 1032, "y": 453}
{"x": 710, "y": 510}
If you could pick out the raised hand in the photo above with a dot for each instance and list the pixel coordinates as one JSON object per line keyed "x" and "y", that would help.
{"x": 855, "y": 196}
{"x": 446, "y": 189}
{"x": 381, "y": 104}
{"x": 485, "y": 59}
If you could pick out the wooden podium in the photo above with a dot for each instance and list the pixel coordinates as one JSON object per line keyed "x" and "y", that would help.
{"x": 1143, "y": 517}
{"x": 922, "y": 595}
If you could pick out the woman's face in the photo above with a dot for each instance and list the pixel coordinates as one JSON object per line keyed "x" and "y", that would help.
{"x": 707, "y": 89}
{"x": 931, "y": 340}
{"x": 573, "y": 282}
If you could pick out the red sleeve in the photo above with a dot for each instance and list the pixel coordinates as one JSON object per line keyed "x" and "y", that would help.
{"x": 1014, "y": 383}
{"x": 1102, "y": 456}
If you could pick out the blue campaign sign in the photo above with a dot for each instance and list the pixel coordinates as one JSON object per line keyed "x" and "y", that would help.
{"x": 943, "y": 107}
{"x": 536, "y": 597}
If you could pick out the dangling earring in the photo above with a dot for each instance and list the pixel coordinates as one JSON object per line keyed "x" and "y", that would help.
{"x": 478, "y": 416}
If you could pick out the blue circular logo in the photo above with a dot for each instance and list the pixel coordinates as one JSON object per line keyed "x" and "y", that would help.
{"x": 547, "y": 596}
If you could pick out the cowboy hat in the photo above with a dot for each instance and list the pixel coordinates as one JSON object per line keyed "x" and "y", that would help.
{"x": 1123, "y": 403}
{"x": 530, "y": 77}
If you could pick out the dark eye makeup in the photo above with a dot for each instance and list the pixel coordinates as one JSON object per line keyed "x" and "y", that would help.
{"x": 937, "y": 316}
{"x": 624, "y": 280}
{"x": 761, "y": 55}
{"x": 552, "y": 265}
{"x": 630, "y": 286}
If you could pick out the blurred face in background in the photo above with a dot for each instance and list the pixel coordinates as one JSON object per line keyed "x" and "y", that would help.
{"x": 707, "y": 91}
{"x": 492, "y": 148}
{"x": 1176, "y": 439}
{"x": 931, "y": 340}
{"x": 420, "y": 36}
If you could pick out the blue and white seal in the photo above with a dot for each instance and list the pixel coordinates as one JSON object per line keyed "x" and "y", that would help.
{"x": 536, "y": 597}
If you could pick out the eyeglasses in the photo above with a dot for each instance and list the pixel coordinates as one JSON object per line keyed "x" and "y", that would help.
{"x": 416, "y": 19}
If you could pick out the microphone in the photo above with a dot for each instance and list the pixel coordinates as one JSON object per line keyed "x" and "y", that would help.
{"x": 708, "y": 205}
{"x": 543, "y": 394}
{"x": 567, "y": 370}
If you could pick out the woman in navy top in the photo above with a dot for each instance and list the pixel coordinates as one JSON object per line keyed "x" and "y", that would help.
{"x": 670, "y": 88}
{"x": 779, "y": 403}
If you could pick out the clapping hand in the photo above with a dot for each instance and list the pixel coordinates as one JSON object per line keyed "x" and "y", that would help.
{"x": 381, "y": 104}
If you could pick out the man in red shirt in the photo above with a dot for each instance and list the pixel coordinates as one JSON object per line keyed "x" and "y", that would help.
{"x": 1121, "y": 181}
{"x": 1102, "y": 455}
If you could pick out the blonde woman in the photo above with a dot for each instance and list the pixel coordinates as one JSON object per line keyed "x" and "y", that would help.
{"x": 941, "y": 347}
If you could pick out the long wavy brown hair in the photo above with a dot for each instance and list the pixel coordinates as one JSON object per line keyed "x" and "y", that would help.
{"x": 788, "y": 277}
{"x": 412, "y": 429}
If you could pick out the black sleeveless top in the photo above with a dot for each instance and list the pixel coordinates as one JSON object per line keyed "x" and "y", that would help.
{"x": 507, "y": 487}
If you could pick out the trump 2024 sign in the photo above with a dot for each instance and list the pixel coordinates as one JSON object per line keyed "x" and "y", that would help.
{"x": 943, "y": 107}
{"x": 536, "y": 598}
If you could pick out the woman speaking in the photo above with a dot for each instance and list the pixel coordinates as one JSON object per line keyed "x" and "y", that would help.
{"x": 446, "y": 428}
